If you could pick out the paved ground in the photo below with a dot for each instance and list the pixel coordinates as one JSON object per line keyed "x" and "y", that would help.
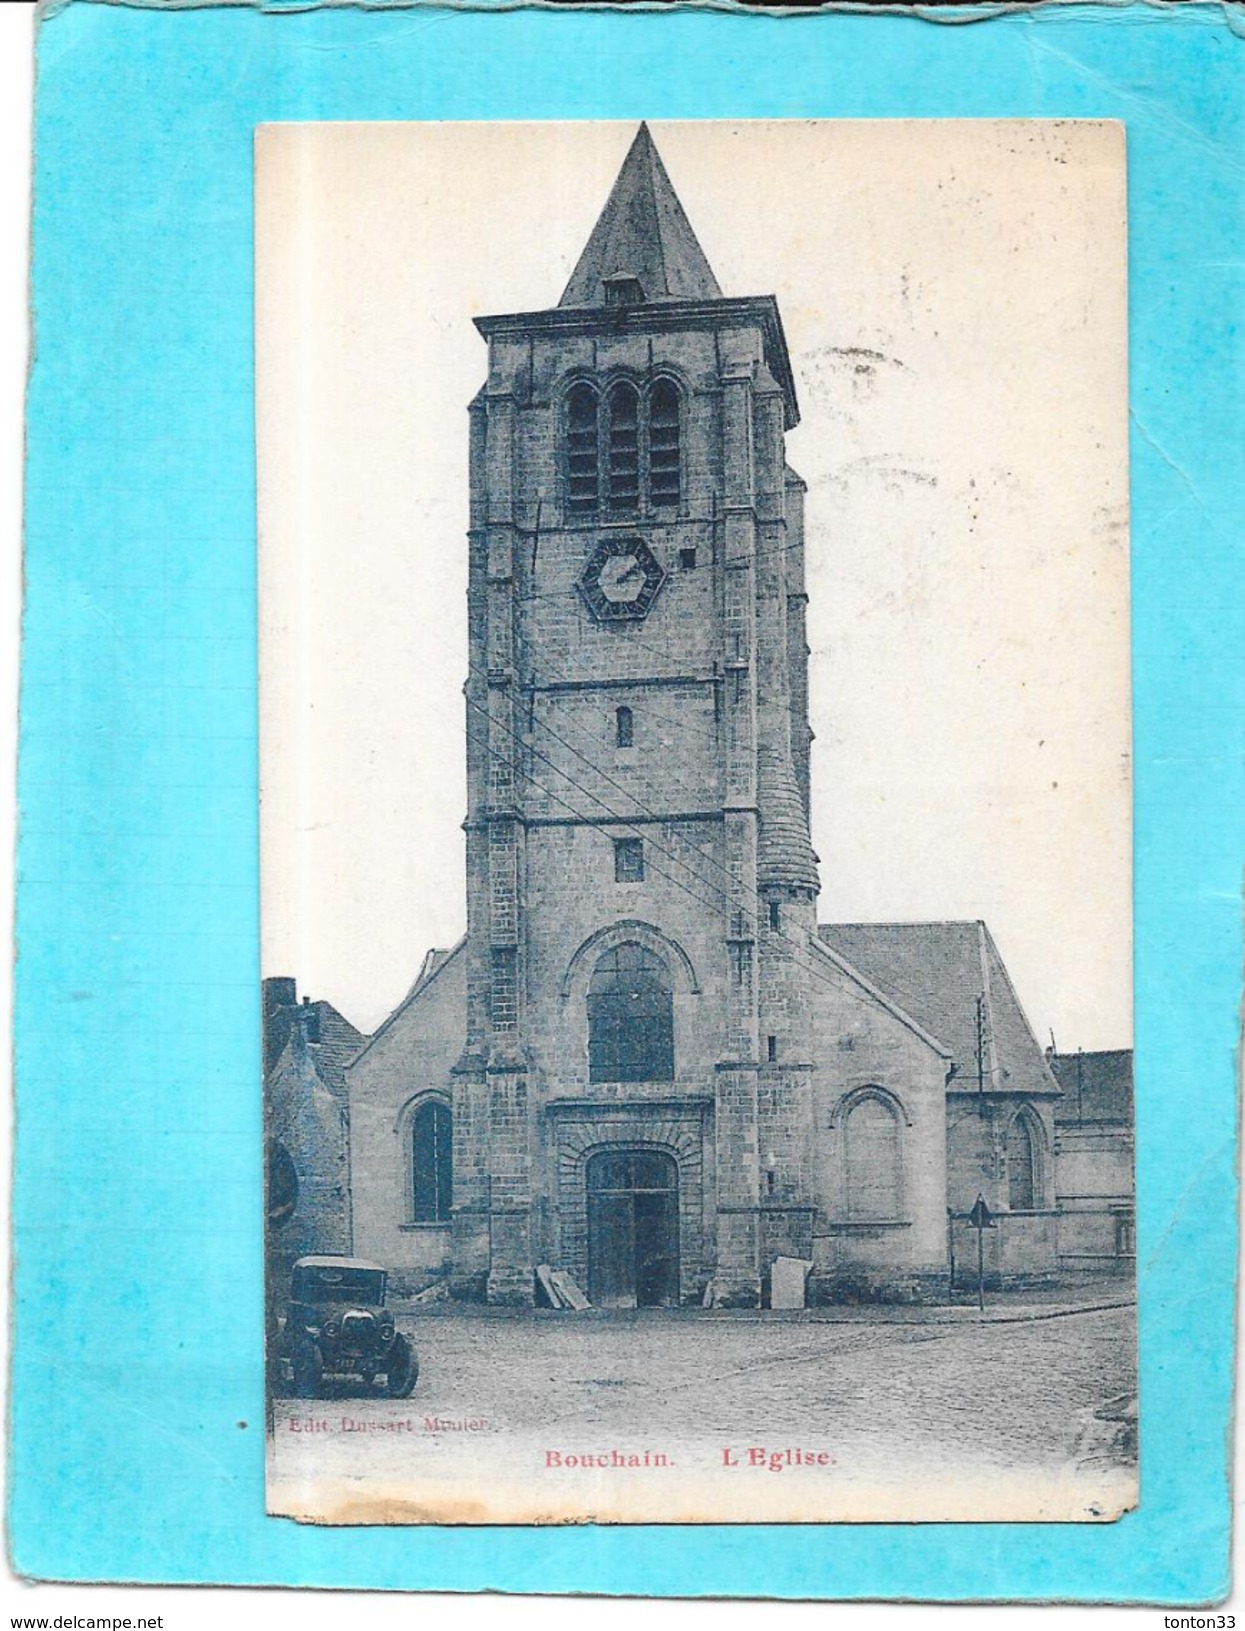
{"x": 1014, "y": 1404}
{"x": 1001, "y": 1388}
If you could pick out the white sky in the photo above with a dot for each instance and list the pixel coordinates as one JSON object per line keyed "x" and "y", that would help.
{"x": 954, "y": 299}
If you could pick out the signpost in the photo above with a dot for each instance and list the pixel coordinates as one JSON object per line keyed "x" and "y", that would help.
{"x": 981, "y": 1219}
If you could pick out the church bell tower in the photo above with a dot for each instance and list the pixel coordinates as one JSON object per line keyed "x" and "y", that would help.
{"x": 633, "y": 1102}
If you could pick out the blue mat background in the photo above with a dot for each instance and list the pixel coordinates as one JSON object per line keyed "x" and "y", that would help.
{"x": 138, "y": 1189}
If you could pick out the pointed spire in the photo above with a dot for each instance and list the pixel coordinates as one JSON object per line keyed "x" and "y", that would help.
{"x": 642, "y": 238}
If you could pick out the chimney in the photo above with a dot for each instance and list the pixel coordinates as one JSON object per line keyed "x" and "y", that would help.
{"x": 309, "y": 1020}
{"x": 280, "y": 996}
{"x": 279, "y": 992}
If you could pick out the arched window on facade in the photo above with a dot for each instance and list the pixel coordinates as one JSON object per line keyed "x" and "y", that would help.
{"x": 432, "y": 1162}
{"x": 630, "y": 1017}
{"x": 871, "y": 1134}
{"x": 663, "y": 443}
{"x": 282, "y": 1183}
{"x": 623, "y": 466}
{"x": 1021, "y": 1165}
{"x": 582, "y": 456}
{"x": 624, "y": 728}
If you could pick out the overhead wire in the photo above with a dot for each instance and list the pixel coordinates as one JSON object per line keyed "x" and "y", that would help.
{"x": 611, "y": 817}
{"x": 616, "y": 818}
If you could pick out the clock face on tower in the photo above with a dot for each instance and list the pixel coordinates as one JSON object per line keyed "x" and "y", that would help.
{"x": 621, "y": 580}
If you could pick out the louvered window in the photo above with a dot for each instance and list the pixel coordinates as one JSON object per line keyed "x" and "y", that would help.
{"x": 582, "y": 475}
{"x": 663, "y": 443}
{"x": 624, "y": 448}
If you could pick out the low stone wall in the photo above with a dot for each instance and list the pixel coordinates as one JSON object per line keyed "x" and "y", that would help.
{"x": 857, "y": 1286}
{"x": 1097, "y": 1240}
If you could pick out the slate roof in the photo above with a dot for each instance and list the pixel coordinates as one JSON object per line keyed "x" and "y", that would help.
{"x": 434, "y": 961}
{"x": 784, "y": 852}
{"x": 339, "y": 1043}
{"x": 1097, "y": 1087}
{"x": 642, "y": 233}
{"x": 935, "y": 972}
{"x": 332, "y": 1042}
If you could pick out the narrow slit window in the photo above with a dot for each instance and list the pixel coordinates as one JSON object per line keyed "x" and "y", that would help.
{"x": 624, "y": 448}
{"x": 504, "y": 988}
{"x": 582, "y": 456}
{"x": 775, "y": 915}
{"x": 771, "y": 1048}
{"x": 663, "y": 444}
{"x": 624, "y": 728}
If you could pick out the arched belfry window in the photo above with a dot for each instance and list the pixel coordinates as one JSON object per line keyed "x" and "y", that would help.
{"x": 872, "y": 1159}
{"x": 630, "y": 1017}
{"x": 1021, "y": 1165}
{"x": 582, "y": 453}
{"x": 432, "y": 1162}
{"x": 663, "y": 443}
{"x": 623, "y": 450}
{"x": 624, "y": 447}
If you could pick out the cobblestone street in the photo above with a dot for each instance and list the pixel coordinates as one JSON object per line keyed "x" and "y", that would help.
{"x": 884, "y": 1404}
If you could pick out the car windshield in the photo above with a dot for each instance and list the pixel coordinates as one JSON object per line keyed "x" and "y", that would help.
{"x": 328, "y": 1285}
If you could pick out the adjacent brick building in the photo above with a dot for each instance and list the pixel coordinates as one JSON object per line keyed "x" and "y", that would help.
{"x": 646, "y": 1062}
{"x": 307, "y": 1046}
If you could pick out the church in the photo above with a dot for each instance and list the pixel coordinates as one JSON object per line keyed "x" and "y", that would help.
{"x": 647, "y": 1063}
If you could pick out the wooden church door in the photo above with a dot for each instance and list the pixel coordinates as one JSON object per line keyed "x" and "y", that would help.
{"x": 633, "y": 1230}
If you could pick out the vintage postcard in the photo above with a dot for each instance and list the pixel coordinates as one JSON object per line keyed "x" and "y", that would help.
{"x": 696, "y": 789}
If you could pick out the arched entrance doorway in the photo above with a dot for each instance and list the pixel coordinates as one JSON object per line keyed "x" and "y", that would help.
{"x": 633, "y": 1229}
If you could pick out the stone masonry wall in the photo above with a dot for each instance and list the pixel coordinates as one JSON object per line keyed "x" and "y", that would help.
{"x": 412, "y": 1056}
{"x": 566, "y": 675}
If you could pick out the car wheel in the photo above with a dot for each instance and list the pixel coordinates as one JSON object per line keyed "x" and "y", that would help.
{"x": 307, "y": 1363}
{"x": 403, "y": 1370}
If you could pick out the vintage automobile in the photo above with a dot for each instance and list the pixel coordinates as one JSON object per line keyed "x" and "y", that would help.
{"x": 338, "y": 1328}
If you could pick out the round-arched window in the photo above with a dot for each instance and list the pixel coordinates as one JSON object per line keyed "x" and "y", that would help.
{"x": 872, "y": 1159}
{"x": 663, "y": 443}
{"x": 282, "y": 1183}
{"x": 623, "y": 450}
{"x": 432, "y": 1162}
{"x": 582, "y": 457}
{"x": 630, "y": 1017}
